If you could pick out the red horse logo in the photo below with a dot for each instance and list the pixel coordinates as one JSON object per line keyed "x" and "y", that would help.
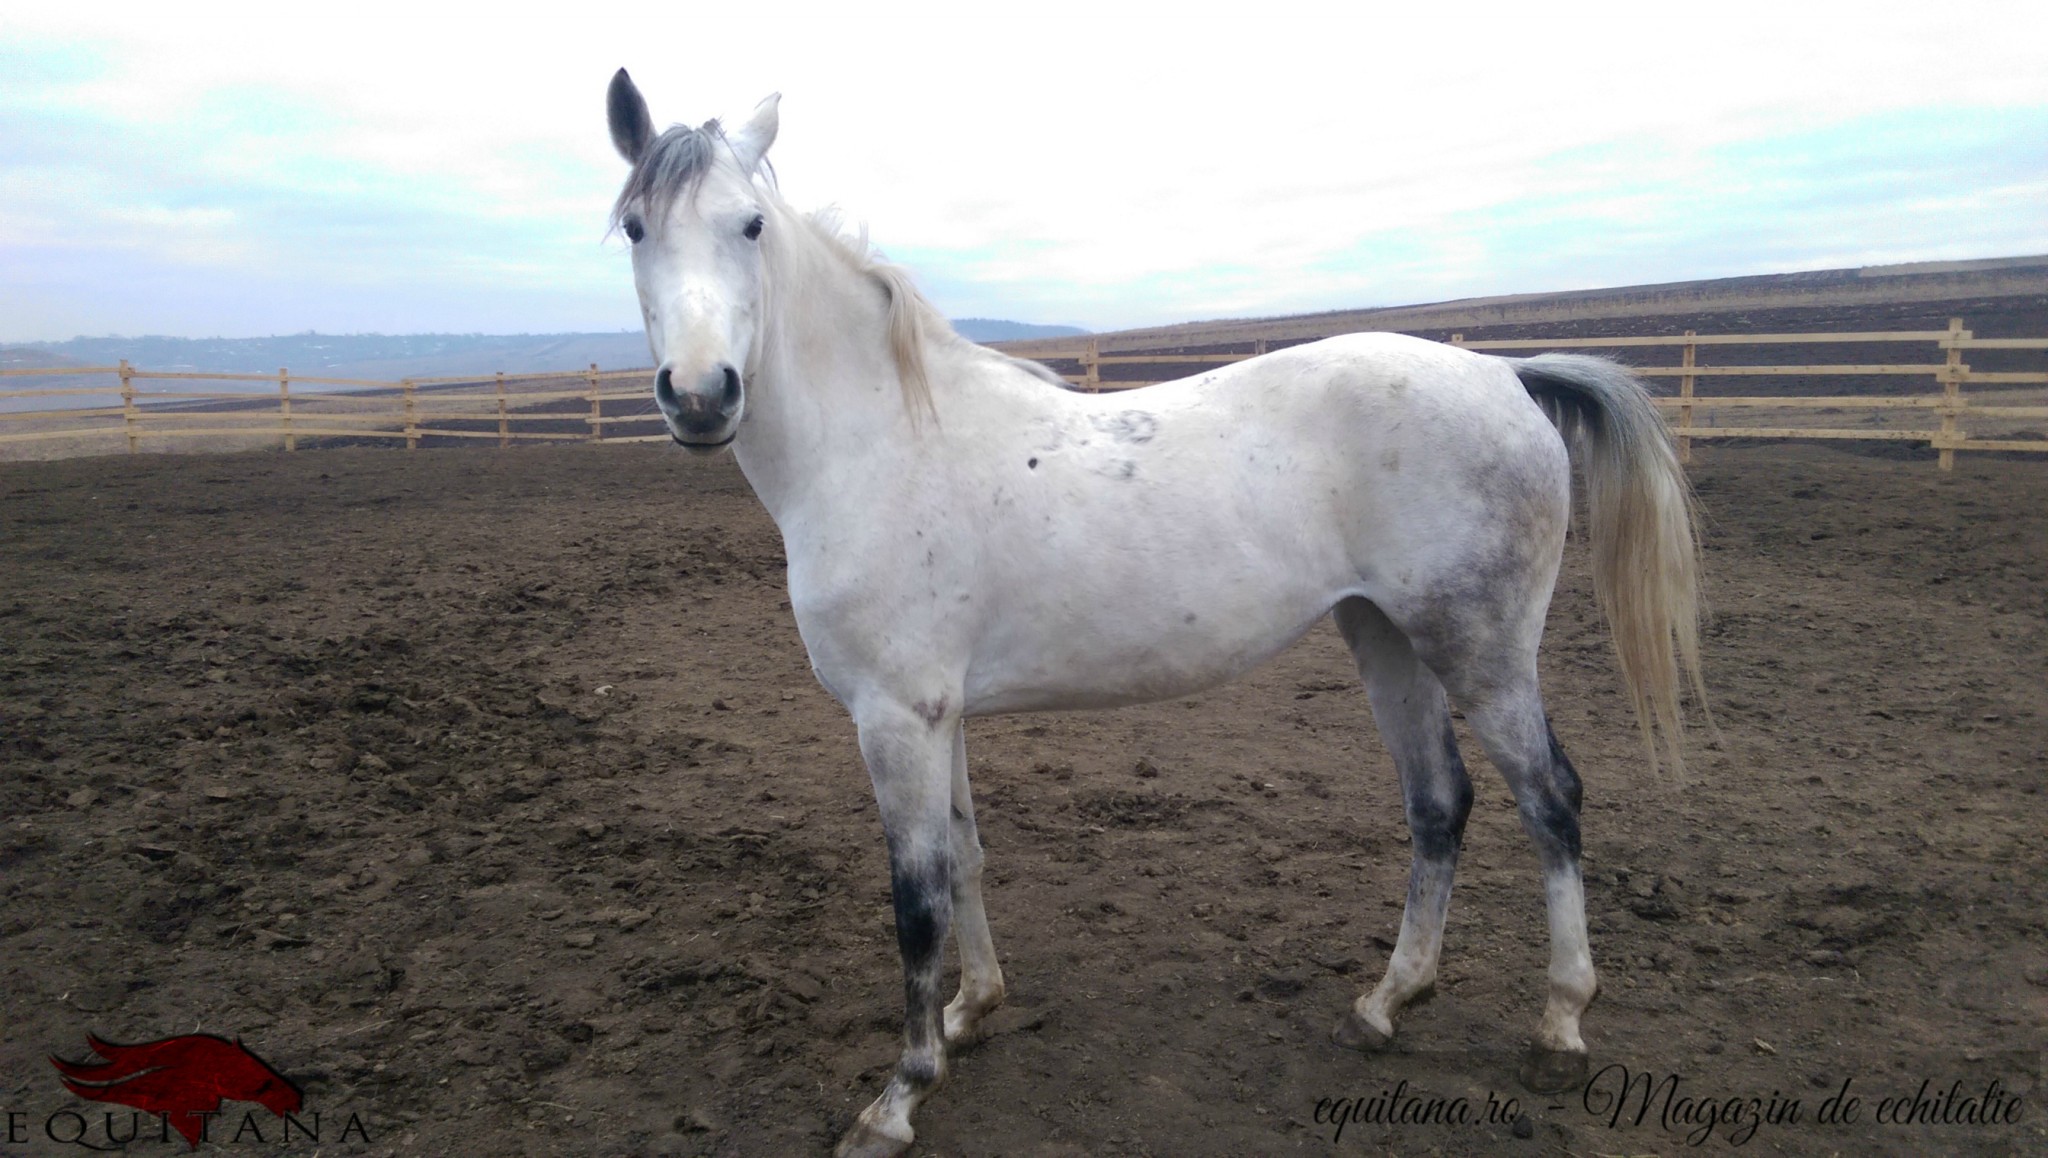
{"x": 180, "y": 1079}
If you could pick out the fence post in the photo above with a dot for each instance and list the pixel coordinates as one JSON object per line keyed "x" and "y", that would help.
{"x": 284, "y": 407}
{"x": 1457, "y": 340}
{"x": 128, "y": 414}
{"x": 1091, "y": 367}
{"x": 504, "y": 424}
{"x": 596, "y": 407}
{"x": 412, "y": 423}
{"x": 1259, "y": 348}
{"x": 1952, "y": 393}
{"x": 1685, "y": 404}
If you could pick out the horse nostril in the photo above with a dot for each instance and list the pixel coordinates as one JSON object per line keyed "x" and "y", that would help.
{"x": 731, "y": 398}
{"x": 665, "y": 391}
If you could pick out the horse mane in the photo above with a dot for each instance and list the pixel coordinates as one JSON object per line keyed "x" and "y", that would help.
{"x": 912, "y": 320}
{"x": 1038, "y": 370}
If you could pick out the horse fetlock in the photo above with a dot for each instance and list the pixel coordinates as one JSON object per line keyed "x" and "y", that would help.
{"x": 965, "y": 1014}
{"x": 1398, "y": 990}
{"x": 883, "y": 1129}
{"x": 1569, "y": 998}
{"x": 1575, "y": 988}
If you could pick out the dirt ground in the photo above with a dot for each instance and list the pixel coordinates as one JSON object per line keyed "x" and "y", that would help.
{"x": 488, "y": 795}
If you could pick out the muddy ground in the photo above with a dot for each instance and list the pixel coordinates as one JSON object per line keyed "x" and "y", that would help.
{"x": 488, "y": 795}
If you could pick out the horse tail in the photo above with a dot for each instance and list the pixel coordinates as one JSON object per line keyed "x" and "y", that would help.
{"x": 1641, "y": 516}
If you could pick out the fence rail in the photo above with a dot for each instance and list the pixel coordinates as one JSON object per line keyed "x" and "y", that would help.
{"x": 509, "y": 407}
{"x": 411, "y": 409}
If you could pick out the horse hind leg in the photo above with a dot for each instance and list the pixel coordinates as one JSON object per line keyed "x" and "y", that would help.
{"x": 1516, "y": 733}
{"x": 981, "y": 976}
{"x": 1414, "y": 718}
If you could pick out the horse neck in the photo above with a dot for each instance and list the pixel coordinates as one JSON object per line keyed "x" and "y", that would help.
{"x": 826, "y": 388}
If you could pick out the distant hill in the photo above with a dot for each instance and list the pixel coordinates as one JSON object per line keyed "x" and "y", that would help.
{"x": 995, "y": 330}
{"x": 1716, "y": 304}
{"x": 381, "y": 356}
{"x": 393, "y": 356}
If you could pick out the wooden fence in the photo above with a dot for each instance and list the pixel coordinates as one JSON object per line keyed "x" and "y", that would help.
{"x": 502, "y": 407}
{"x": 509, "y": 408}
{"x": 1946, "y": 403}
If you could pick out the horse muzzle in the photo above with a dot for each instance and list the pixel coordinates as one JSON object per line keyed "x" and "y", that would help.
{"x": 705, "y": 414}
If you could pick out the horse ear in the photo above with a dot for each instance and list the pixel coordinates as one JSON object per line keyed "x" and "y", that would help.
{"x": 751, "y": 142}
{"x": 626, "y": 109}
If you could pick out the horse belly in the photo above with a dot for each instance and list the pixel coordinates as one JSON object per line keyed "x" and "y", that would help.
{"x": 1117, "y": 653}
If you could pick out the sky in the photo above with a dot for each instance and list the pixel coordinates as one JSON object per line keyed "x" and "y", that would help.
{"x": 403, "y": 168}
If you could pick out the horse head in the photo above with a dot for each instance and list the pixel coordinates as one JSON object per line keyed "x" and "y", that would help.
{"x": 694, "y": 213}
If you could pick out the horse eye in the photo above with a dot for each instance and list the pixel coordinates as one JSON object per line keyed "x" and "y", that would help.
{"x": 753, "y": 229}
{"x": 633, "y": 230}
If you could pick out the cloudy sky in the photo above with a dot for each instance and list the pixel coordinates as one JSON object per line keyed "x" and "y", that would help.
{"x": 231, "y": 172}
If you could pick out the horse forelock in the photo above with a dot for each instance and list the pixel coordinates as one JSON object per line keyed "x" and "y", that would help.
{"x": 674, "y": 165}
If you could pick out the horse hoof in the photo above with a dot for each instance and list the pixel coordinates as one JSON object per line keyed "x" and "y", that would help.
{"x": 864, "y": 1141}
{"x": 1355, "y": 1032}
{"x": 1552, "y": 1071}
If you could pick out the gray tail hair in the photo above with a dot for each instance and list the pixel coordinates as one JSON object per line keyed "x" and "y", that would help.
{"x": 1641, "y": 516}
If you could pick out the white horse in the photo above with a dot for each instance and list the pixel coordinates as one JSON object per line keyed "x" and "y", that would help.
{"x": 967, "y": 537}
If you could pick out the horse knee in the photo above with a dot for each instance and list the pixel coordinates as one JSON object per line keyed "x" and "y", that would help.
{"x": 1437, "y": 810}
{"x": 1437, "y": 825}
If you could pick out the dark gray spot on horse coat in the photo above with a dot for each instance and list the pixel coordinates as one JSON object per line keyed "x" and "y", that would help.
{"x": 1461, "y": 611}
{"x": 1032, "y": 463}
{"x": 918, "y": 1071}
{"x": 1439, "y": 799}
{"x": 1132, "y": 426}
{"x": 931, "y": 713}
{"x": 915, "y": 890}
{"x": 922, "y": 891}
{"x": 1557, "y": 795}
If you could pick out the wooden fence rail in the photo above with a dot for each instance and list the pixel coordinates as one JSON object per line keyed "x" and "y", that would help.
{"x": 410, "y": 409}
{"x": 505, "y": 407}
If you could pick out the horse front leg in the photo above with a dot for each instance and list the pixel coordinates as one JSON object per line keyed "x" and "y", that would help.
{"x": 981, "y": 977}
{"x": 909, "y": 751}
